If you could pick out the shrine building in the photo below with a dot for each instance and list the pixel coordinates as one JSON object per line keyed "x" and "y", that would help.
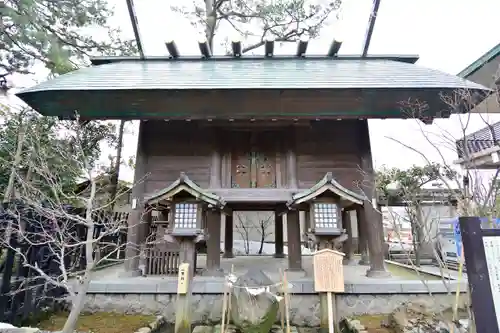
{"x": 220, "y": 134}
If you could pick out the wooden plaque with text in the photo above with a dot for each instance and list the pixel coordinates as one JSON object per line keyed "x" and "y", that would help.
{"x": 328, "y": 271}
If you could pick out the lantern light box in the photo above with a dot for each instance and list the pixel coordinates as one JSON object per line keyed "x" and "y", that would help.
{"x": 186, "y": 215}
{"x": 326, "y": 218}
{"x": 186, "y": 218}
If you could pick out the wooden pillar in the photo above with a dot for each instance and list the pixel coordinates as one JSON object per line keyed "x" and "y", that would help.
{"x": 213, "y": 241}
{"x": 355, "y": 232}
{"x": 294, "y": 244}
{"x": 307, "y": 229}
{"x": 363, "y": 237}
{"x": 134, "y": 230}
{"x": 348, "y": 244}
{"x": 278, "y": 236}
{"x": 146, "y": 221}
{"x": 375, "y": 229}
{"x": 145, "y": 224}
{"x": 228, "y": 237}
{"x": 215, "y": 170}
{"x": 187, "y": 253}
{"x": 307, "y": 221}
{"x": 291, "y": 161}
{"x": 216, "y": 161}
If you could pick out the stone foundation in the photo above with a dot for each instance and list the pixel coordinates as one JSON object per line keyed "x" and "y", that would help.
{"x": 304, "y": 308}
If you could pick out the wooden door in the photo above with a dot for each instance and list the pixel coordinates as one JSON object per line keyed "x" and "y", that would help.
{"x": 253, "y": 163}
{"x": 265, "y": 167}
{"x": 252, "y": 170}
{"x": 240, "y": 170}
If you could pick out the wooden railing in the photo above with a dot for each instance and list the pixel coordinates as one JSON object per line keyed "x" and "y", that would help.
{"x": 161, "y": 262}
{"x": 161, "y": 258}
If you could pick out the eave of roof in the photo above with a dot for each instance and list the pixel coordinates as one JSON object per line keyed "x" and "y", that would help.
{"x": 479, "y": 63}
{"x": 184, "y": 184}
{"x": 286, "y": 73}
{"x": 97, "y": 92}
{"x": 480, "y": 140}
{"x": 326, "y": 184}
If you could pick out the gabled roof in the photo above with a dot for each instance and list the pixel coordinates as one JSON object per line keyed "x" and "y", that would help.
{"x": 478, "y": 141}
{"x": 326, "y": 184}
{"x": 184, "y": 184}
{"x": 479, "y": 63}
{"x": 133, "y": 89}
{"x": 254, "y": 73}
{"x": 324, "y": 251}
{"x": 103, "y": 182}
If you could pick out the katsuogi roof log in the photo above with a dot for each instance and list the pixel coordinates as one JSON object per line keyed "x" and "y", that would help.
{"x": 305, "y": 86}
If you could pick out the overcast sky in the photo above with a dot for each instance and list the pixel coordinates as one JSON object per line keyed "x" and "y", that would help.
{"x": 448, "y": 35}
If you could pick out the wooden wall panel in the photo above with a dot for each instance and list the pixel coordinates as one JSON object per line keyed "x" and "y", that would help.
{"x": 173, "y": 148}
{"x": 325, "y": 146}
{"x": 328, "y": 146}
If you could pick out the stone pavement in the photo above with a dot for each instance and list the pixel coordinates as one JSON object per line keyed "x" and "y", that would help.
{"x": 274, "y": 267}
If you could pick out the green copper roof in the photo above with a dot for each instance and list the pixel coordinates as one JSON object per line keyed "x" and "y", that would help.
{"x": 105, "y": 91}
{"x": 479, "y": 63}
{"x": 184, "y": 184}
{"x": 326, "y": 184}
{"x": 253, "y": 74}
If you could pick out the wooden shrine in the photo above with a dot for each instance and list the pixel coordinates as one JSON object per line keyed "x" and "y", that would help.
{"x": 278, "y": 133}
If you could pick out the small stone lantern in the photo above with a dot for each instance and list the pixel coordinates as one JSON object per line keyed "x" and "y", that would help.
{"x": 187, "y": 204}
{"x": 324, "y": 203}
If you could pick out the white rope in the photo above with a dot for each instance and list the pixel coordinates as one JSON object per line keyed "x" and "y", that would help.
{"x": 231, "y": 279}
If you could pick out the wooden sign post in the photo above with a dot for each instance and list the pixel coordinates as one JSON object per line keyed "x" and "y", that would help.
{"x": 328, "y": 279}
{"x": 481, "y": 248}
{"x": 182, "y": 312}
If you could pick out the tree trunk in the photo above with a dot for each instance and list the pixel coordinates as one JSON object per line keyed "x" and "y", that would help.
{"x": 78, "y": 303}
{"x": 416, "y": 231}
{"x": 247, "y": 243}
{"x": 116, "y": 169}
{"x": 421, "y": 231}
{"x": 210, "y": 23}
{"x": 262, "y": 237}
{"x": 9, "y": 191}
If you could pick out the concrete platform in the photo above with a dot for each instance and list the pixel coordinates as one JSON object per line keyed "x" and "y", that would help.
{"x": 157, "y": 295}
{"x": 110, "y": 280}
